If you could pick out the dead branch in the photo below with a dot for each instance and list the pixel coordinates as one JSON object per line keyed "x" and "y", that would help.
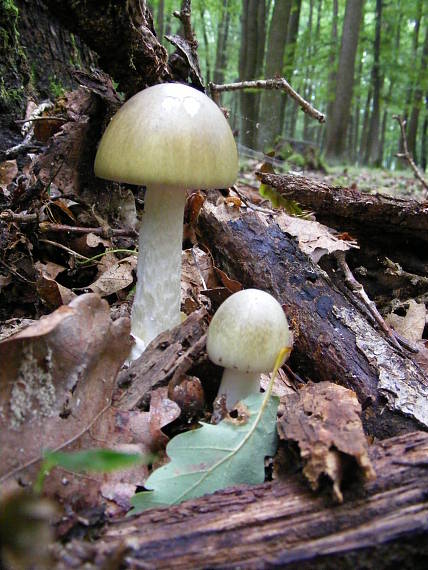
{"x": 281, "y": 524}
{"x": 107, "y": 232}
{"x": 276, "y": 83}
{"x": 406, "y": 154}
{"x": 348, "y": 207}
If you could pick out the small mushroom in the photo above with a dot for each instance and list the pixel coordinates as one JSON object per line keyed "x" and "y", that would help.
{"x": 169, "y": 137}
{"x": 245, "y": 336}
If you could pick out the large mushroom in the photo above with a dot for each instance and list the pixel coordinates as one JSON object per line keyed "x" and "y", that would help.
{"x": 170, "y": 138}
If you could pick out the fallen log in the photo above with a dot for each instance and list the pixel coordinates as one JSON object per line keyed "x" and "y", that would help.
{"x": 281, "y": 524}
{"x": 348, "y": 208}
{"x": 334, "y": 341}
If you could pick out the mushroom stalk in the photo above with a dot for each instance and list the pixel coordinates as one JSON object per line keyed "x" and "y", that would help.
{"x": 237, "y": 385}
{"x": 156, "y": 304}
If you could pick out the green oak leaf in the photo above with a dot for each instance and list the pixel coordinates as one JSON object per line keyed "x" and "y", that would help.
{"x": 214, "y": 457}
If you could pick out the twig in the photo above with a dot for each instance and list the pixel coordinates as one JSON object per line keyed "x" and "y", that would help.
{"x": 357, "y": 288}
{"x": 406, "y": 154}
{"x": 48, "y": 118}
{"x": 276, "y": 83}
{"x": 103, "y": 232}
{"x": 64, "y": 247}
{"x": 184, "y": 15}
{"x": 9, "y": 216}
{"x": 250, "y": 204}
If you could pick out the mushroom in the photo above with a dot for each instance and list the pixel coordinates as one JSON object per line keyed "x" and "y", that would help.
{"x": 245, "y": 336}
{"x": 170, "y": 138}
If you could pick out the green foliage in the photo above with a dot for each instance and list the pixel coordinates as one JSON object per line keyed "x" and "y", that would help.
{"x": 215, "y": 456}
{"x": 56, "y": 88}
{"x": 95, "y": 460}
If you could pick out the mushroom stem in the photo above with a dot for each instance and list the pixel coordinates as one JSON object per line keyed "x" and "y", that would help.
{"x": 156, "y": 304}
{"x": 237, "y": 385}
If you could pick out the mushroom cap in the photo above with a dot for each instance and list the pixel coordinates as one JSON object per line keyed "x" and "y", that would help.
{"x": 170, "y": 135}
{"x": 248, "y": 331}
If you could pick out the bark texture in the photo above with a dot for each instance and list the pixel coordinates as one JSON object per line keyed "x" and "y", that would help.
{"x": 282, "y": 525}
{"x": 333, "y": 341}
{"x": 122, "y": 34}
{"x": 337, "y": 206}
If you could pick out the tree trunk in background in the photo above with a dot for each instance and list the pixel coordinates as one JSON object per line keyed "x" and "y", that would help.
{"x": 424, "y": 144}
{"x": 290, "y": 53}
{"x": 412, "y": 127}
{"x": 365, "y": 131}
{"x": 356, "y": 132}
{"x": 160, "y": 20}
{"x": 249, "y": 65}
{"x": 308, "y": 122}
{"x": 222, "y": 36}
{"x": 270, "y": 105}
{"x": 372, "y": 155}
{"x": 338, "y": 125}
{"x": 207, "y": 47}
{"x": 331, "y": 88}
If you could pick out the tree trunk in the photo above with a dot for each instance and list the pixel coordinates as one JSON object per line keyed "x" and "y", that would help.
{"x": 249, "y": 66}
{"x": 37, "y": 57}
{"x": 121, "y": 33}
{"x": 338, "y": 125}
{"x": 222, "y": 36}
{"x": 331, "y": 86}
{"x": 207, "y": 46}
{"x": 372, "y": 155}
{"x": 290, "y": 53}
{"x": 270, "y": 111}
{"x": 365, "y": 130}
{"x": 412, "y": 128}
{"x": 160, "y": 15}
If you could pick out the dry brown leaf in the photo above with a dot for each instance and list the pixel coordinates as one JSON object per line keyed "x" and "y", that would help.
{"x": 313, "y": 238}
{"x": 412, "y": 325}
{"x": 51, "y": 292}
{"x": 8, "y": 171}
{"x": 56, "y": 379}
{"x": 128, "y": 431}
{"x": 116, "y": 278}
{"x": 324, "y": 420}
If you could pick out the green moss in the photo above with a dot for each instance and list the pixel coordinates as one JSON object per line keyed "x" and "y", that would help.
{"x": 56, "y": 88}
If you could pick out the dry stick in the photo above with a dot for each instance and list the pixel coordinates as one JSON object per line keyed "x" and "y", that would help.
{"x": 9, "y": 216}
{"x": 406, "y": 154}
{"x": 357, "y": 288}
{"x": 185, "y": 15}
{"x": 47, "y": 118}
{"x": 103, "y": 232}
{"x": 276, "y": 83}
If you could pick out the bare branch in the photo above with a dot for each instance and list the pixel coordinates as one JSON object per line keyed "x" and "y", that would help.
{"x": 406, "y": 154}
{"x": 276, "y": 83}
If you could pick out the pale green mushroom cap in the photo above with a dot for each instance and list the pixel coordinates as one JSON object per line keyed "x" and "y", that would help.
{"x": 248, "y": 331}
{"x": 170, "y": 135}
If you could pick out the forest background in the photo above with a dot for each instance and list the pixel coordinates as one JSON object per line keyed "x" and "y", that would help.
{"x": 358, "y": 62}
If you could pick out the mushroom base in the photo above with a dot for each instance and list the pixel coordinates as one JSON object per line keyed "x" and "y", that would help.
{"x": 237, "y": 385}
{"x": 156, "y": 304}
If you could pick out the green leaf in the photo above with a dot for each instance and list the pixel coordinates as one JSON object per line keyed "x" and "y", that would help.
{"x": 100, "y": 460}
{"x": 215, "y": 456}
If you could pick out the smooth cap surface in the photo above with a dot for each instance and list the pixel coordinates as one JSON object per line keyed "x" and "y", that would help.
{"x": 171, "y": 135}
{"x": 248, "y": 331}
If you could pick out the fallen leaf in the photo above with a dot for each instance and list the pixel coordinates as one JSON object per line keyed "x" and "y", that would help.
{"x": 8, "y": 172}
{"x": 215, "y": 456}
{"x": 56, "y": 379}
{"x": 314, "y": 239}
{"x": 324, "y": 420}
{"x": 412, "y": 325}
{"x": 116, "y": 278}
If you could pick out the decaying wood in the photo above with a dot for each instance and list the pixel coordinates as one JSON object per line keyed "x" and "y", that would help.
{"x": 122, "y": 34}
{"x": 343, "y": 208}
{"x": 334, "y": 341}
{"x": 282, "y": 524}
{"x": 172, "y": 353}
